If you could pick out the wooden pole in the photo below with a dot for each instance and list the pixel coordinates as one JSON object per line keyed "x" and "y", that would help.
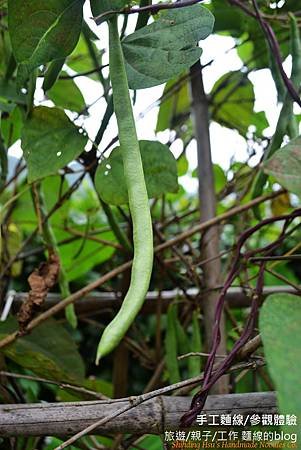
{"x": 151, "y": 417}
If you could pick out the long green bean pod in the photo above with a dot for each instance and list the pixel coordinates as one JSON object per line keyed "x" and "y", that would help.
{"x": 138, "y": 200}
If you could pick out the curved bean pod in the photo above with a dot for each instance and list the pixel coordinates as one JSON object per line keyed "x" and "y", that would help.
{"x": 138, "y": 201}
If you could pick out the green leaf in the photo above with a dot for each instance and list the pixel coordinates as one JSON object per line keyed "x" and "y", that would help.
{"x": 103, "y": 6}
{"x": 233, "y": 104}
{"x": 8, "y": 91}
{"x": 167, "y": 47}
{"x": 183, "y": 166}
{"x": 11, "y": 126}
{"x": 175, "y": 105}
{"x": 279, "y": 324}
{"x": 80, "y": 60}
{"x": 285, "y": 166}
{"x": 43, "y": 31}
{"x": 194, "y": 362}
{"x": 160, "y": 170}
{"x": 48, "y": 351}
{"x": 24, "y": 214}
{"x": 79, "y": 257}
{"x": 227, "y": 19}
{"x": 49, "y": 142}
{"x": 220, "y": 178}
{"x": 5, "y": 51}
{"x": 67, "y": 95}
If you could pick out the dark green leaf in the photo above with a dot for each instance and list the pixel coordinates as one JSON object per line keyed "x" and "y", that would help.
{"x": 227, "y": 18}
{"x": 48, "y": 351}
{"x": 285, "y": 166}
{"x": 279, "y": 323}
{"x": 194, "y": 362}
{"x": 167, "y": 47}
{"x": 43, "y": 31}
{"x": 233, "y": 104}
{"x": 11, "y": 126}
{"x": 5, "y": 52}
{"x": 66, "y": 94}
{"x": 103, "y": 6}
{"x": 171, "y": 346}
{"x": 8, "y": 91}
{"x": 50, "y": 141}
{"x": 160, "y": 169}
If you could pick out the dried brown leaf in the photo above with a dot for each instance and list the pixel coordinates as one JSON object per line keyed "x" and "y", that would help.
{"x": 41, "y": 280}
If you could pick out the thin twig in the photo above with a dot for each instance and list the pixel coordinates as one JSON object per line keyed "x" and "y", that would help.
{"x": 72, "y": 387}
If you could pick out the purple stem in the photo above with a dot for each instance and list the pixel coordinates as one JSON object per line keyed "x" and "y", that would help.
{"x": 199, "y": 399}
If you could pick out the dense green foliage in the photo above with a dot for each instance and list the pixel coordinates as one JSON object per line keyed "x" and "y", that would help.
{"x": 74, "y": 194}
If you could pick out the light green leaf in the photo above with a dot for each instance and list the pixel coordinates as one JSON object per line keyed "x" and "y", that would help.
{"x": 43, "y": 31}
{"x": 79, "y": 257}
{"x": 49, "y": 142}
{"x": 80, "y": 59}
{"x": 219, "y": 175}
{"x": 48, "y": 351}
{"x": 220, "y": 178}
{"x": 279, "y": 324}
{"x": 285, "y": 166}
{"x": 183, "y": 166}
{"x": 67, "y": 95}
{"x": 160, "y": 170}
{"x": 167, "y": 47}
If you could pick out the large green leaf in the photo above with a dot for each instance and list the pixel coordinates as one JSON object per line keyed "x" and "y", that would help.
{"x": 43, "y": 31}
{"x": 160, "y": 170}
{"x": 167, "y": 47}
{"x": 48, "y": 351}
{"x": 66, "y": 94}
{"x": 285, "y": 166}
{"x": 279, "y": 323}
{"x": 50, "y": 141}
{"x": 233, "y": 104}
